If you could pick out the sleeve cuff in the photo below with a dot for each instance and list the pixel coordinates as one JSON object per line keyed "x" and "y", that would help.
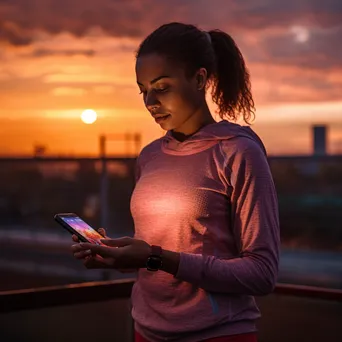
{"x": 190, "y": 268}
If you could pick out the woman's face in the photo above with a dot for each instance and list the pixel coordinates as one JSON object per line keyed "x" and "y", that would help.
{"x": 171, "y": 98}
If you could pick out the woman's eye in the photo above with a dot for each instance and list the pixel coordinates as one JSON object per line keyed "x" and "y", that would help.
{"x": 158, "y": 90}
{"x": 162, "y": 89}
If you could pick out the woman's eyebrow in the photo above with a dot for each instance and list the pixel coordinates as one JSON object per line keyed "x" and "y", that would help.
{"x": 156, "y": 79}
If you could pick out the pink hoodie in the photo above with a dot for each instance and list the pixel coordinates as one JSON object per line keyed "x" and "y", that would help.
{"x": 212, "y": 199}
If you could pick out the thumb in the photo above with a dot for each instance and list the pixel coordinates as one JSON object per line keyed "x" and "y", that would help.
{"x": 102, "y": 231}
{"x": 120, "y": 242}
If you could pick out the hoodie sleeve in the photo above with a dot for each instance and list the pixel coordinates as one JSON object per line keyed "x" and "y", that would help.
{"x": 255, "y": 228}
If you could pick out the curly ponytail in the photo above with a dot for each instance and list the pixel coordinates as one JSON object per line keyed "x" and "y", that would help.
{"x": 231, "y": 86}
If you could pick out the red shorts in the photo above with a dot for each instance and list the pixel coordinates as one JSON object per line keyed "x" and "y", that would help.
{"x": 250, "y": 337}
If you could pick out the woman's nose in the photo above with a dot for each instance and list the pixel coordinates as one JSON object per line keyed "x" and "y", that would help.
{"x": 151, "y": 101}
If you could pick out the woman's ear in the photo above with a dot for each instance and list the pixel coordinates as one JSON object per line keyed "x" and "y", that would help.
{"x": 201, "y": 78}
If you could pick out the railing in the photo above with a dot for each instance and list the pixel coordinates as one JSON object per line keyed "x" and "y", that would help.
{"x": 101, "y": 310}
{"x": 32, "y": 299}
{"x": 309, "y": 292}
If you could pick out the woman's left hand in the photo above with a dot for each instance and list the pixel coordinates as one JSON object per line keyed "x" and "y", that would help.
{"x": 122, "y": 253}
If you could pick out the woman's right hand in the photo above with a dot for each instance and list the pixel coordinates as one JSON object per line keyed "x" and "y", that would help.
{"x": 95, "y": 261}
{"x": 89, "y": 260}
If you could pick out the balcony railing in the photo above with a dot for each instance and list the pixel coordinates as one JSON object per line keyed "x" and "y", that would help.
{"x": 100, "y": 311}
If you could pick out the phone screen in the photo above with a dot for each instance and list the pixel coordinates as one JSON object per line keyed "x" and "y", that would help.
{"x": 84, "y": 229}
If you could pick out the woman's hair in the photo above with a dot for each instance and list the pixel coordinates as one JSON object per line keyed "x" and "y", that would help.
{"x": 215, "y": 51}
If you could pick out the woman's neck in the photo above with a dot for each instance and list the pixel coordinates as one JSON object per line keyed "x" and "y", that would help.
{"x": 196, "y": 122}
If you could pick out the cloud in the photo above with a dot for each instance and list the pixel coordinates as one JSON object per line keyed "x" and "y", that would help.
{"x": 272, "y": 83}
{"x": 292, "y": 31}
{"x": 116, "y": 18}
{"x": 292, "y": 47}
{"x": 68, "y": 91}
{"x": 13, "y": 34}
{"x": 321, "y": 48}
{"x": 137, "y": 18}
{"x": 104, "y": 89}
{"x": 67, "y": 53}
{"x": 270, "y": 13}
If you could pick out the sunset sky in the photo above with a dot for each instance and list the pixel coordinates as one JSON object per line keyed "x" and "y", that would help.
{"x": 60, "y": 57}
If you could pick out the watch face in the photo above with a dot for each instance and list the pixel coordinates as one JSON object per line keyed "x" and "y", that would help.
{"x": 153, "y": 263}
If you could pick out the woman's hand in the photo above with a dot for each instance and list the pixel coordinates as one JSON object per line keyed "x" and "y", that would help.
{"x": 90, "y": 261}
{"x": 124, "y": 254}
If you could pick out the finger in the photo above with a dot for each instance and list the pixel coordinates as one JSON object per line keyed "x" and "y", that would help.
{"x": 75, "y": 238}
{"x": 120, "y": 242}
{"x": 102, "y": 231}
{"x": 97, "y": 262}
{"x": 82, "y": 254}
{"x": 90, "y": 262}
{"x": 100, "y": 250}
{"x": 77, "y": 248}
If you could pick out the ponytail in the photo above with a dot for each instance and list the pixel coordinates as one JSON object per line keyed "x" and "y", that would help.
{"x": 231, "y": 86}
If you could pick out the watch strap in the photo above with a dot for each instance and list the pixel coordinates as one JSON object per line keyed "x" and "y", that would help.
{"x": 156, "y": 251}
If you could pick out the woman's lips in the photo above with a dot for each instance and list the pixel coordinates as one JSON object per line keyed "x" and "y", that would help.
{"x": 163, "y": 118}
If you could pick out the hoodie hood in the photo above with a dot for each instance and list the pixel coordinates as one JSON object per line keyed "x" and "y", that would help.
{"x": 207, "y": 137}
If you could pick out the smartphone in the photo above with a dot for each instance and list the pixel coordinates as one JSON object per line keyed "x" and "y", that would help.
{"x": 75, "y": 225}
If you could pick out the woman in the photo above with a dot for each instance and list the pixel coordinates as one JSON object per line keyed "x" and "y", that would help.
{"x": 204, "y": 205}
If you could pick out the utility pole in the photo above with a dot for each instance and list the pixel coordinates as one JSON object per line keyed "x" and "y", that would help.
{"x": 104, "y": 183}
{"x": 103, "y": 139}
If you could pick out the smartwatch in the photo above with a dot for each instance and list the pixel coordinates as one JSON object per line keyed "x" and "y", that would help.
{"x": 154, "y": 261}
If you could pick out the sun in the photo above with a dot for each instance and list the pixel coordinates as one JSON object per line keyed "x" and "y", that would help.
{"x": 88, "y": 116}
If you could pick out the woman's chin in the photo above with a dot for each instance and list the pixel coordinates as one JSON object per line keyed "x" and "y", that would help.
{"x": 167, "y": 124}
